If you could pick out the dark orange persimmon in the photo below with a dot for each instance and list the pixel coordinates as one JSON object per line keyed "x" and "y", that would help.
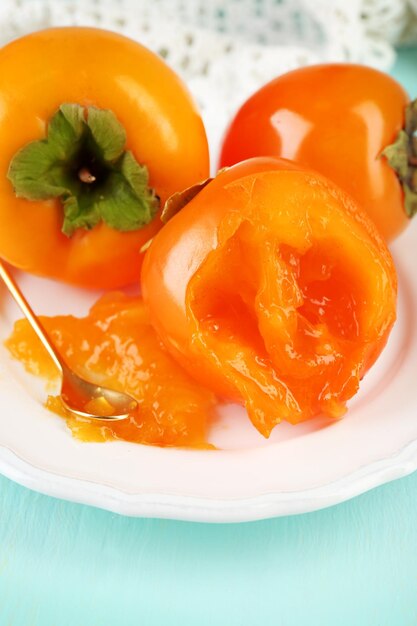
{"x": 338, "y": 119}
{"x": 273, "y": 289}
{"x": 115, "y": 345}
{"x": 96, "y": 133}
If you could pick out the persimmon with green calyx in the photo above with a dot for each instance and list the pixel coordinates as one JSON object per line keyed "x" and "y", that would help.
{"x": 97, "y": 132}
{"x": 352, "y": 123}
{"x": 273, "y": 289}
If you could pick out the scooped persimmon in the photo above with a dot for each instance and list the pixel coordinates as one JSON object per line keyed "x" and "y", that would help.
{"x": 116, "y": 346}
{"x": 96, "y": 133}
{"x": 352, "y": 123}
{"x": 273, "y": 289}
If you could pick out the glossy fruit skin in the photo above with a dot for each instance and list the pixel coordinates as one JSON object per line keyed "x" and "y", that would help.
{"x": 336, "y": 119}
{"x": 165, "y": 132}
{"x": 233, "y": 285}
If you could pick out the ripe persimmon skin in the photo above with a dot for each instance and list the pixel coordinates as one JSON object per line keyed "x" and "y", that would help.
{"x": 92, "y": 67}
{"x": 336, "y": 119}
{"x": 209, "y": 282}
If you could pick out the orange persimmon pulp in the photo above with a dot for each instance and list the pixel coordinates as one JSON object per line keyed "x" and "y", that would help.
{"x": 116, "y": 346}
{"x": 274, "y": 289}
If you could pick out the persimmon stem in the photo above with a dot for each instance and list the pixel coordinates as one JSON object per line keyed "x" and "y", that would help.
{"x": 83, "y": 162}
{"x": 86, "y": 176}
{"x": 402, "y": 158}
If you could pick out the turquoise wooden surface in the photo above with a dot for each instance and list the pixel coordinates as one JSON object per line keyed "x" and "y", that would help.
{"x": 355, "y": 564}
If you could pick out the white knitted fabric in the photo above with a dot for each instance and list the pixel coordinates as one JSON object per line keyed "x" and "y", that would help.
{"x": 225, "y": 49}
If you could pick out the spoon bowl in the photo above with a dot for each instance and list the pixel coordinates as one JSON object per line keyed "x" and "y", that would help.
{"x": 84, "y": 399}
{"x": 79, "y": 397}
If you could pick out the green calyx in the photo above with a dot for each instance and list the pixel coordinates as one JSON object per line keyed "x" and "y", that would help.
{"x": 83, "y": 162}
{"x": 402, "y": 157}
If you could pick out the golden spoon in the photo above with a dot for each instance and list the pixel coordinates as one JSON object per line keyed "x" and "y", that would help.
{"x": 79, "y": 397}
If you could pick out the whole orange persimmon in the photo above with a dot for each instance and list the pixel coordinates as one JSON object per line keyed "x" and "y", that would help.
{"x": 273, "y": 289}
{"x": 96, "y": 132}
{"x": 352, "y": 123}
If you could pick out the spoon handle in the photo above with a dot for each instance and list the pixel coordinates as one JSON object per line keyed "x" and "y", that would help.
{"x": 30, "y": 316}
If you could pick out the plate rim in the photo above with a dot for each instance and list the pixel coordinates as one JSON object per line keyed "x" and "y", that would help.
{"x": 193, "y": 509}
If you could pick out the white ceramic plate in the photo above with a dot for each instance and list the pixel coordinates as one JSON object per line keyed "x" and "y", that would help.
{"x": 298, "y": 469}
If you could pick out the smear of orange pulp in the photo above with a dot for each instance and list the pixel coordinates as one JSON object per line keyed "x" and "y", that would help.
{"x": 116, "y": 346}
